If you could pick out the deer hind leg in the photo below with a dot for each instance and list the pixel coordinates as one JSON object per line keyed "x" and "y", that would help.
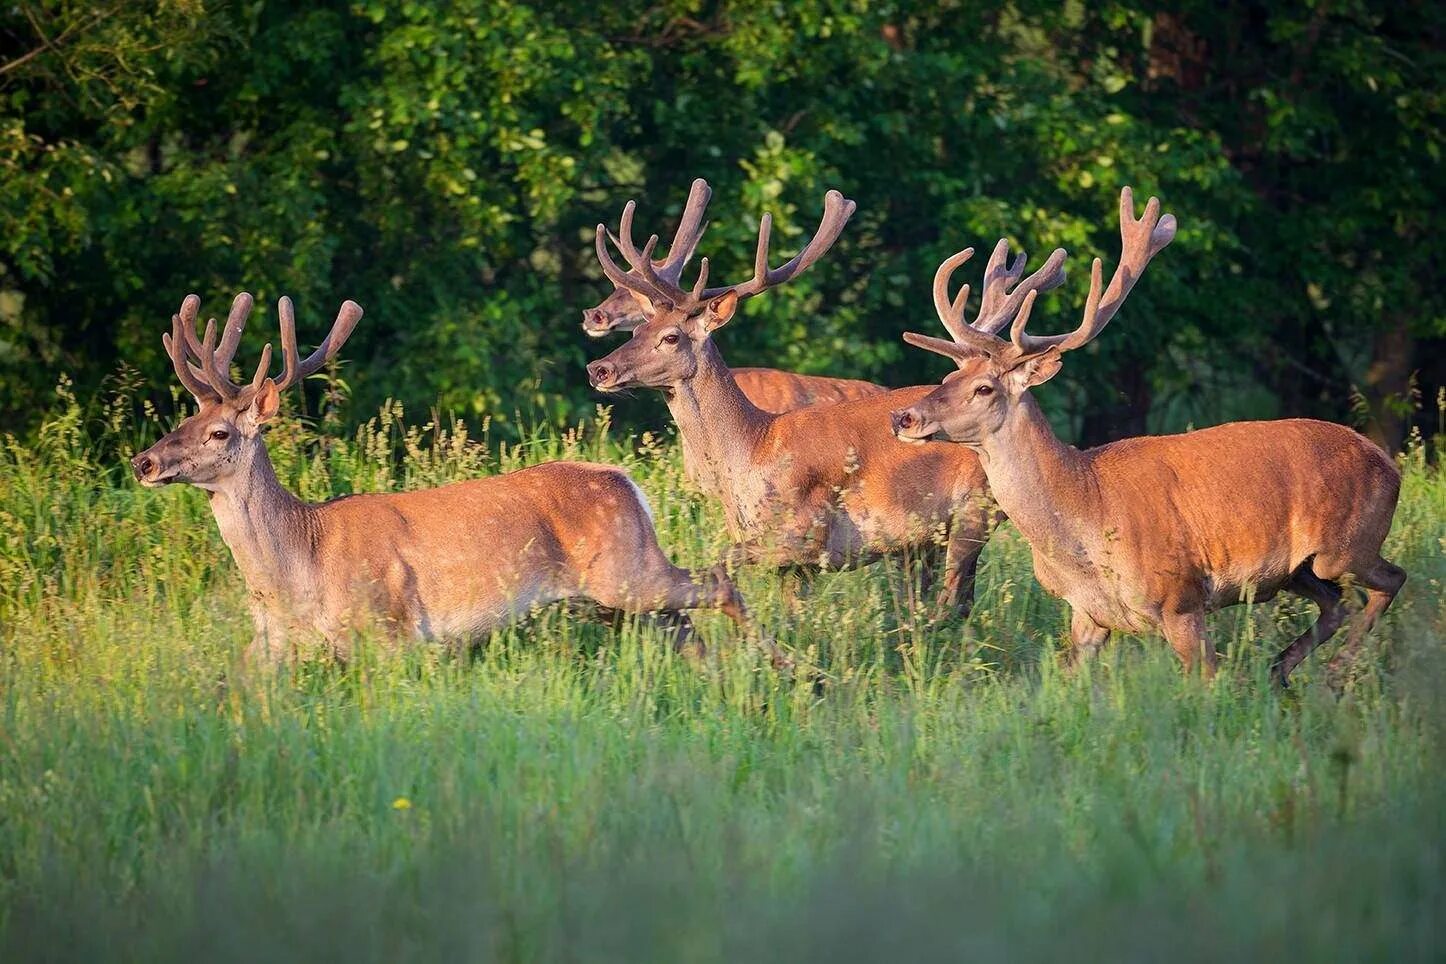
{"x": 1382, "y": 581}
{"x": 1185, "y": 632}
{"x": 658, "y": 586}
{"x": 1326, "y": 595}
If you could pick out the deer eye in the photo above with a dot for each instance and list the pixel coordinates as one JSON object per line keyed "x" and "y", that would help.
{"x": 984, "y": 390}
{"x": 671, "y": 338}
{"x": 220, "y": 435}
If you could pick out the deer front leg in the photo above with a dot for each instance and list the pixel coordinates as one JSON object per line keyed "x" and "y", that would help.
{"x": 269, "y": 646}
{"x": 1184, "y": 629}
{"x": 968, "y": 532}
{"x": 1086, "y": 637}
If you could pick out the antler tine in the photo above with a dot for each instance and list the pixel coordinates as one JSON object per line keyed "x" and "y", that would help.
{"x": 263, "y": 369}
{"x": 175, "y": 344}
{"x": 969, "y": 341}
{"x": 1140, "y": 240}
{"x": 290, "y": 354}
{"x": 959, "y": 354}
{"x": 642, "y": 275}
{"x": 216, "y": 378}
{"x": 999, "y": 305}
{"x": 760, "y": 254}
{"x": 837, "y": 210}
{"x": 999, "y": 274}
{"x": 624, "y": 237}
{"x": 690, "y": 231}
{"x": 235, "y": 325}
{"x": 951, "y": 311}
{"x": 346, "y": 318}
{"x": 702, "y": 282}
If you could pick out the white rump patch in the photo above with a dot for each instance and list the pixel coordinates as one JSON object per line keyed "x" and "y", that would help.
{"x": 642, "y": 499}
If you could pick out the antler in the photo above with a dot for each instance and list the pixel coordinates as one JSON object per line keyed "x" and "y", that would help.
{"x": 661, "y": 285}
{"x": 998, "y": 304}
{"x": 837, "y": 210}
{"x": 689, "y": 233}
{"x": 1140, "y": 240}
{"x": 212, "y": 379}
{"x": 346, "y": 318}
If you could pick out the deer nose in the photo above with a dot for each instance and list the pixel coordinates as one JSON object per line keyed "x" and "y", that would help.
{"x": 904, "y": 419}
{"x": 600, "y": 373}
{"x": 594, "y": 320}
{"x": 142, "y": 465}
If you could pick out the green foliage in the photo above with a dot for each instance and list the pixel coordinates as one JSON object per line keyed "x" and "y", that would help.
{"x": 444, "y": 164}
{"x": 577, "y": 792}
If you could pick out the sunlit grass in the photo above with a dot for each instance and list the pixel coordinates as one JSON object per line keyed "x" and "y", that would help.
{"x": 575, "y": 791}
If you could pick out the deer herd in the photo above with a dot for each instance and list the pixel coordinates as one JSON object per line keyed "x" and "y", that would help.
{"x": 1140, "y": 535}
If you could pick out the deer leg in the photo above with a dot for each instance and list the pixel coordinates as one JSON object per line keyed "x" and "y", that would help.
{"x": 268, "y": 647}
{"x": 661, "y": 587}
{"x": 1326, "y": 595}
{"x": 1185, "y": 632}
{"x": 961, "y": 563}
{"x": 686, "y": 640}
{"x": 797, "y": 585}
{"x": 1086, "y": 637}
{"x": 968, "y": 532}
{"x": 1382, "y": 580}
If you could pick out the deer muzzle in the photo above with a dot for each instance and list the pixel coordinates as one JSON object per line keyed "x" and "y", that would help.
{"x": 911, "y": 426}
{"x": 151, "y": 468}
{"x": 602, "y": 375}
{"x": 596, "y": 323}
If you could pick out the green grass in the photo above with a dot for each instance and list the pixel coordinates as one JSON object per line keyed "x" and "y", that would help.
{"x": 574, "y": 792}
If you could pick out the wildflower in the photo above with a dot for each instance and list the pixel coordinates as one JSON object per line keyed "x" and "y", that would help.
{"x": 401, "y": 803}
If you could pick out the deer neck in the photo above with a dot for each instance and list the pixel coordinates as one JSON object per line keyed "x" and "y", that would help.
{"x": 269, "y": 531}
{"x": 717, "y": 423}
{"x": 1046, "y": 487}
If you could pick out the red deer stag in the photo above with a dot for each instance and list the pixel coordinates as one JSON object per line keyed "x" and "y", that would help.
{"x": 824, "y": 485}
{"x": 1152, "y": 533}
{"x": 768, "y": 388}
{"x": 451, "y": 562}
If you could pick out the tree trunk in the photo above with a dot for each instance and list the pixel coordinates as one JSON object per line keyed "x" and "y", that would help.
{"x": 1387, "y": 388}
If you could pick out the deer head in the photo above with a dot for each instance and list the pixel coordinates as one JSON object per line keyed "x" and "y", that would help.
{"x": 621, "y": 311}
{"x": 975, "y": 401}
{"x": 678, "y": 321}
{"x": 223, "y": 436}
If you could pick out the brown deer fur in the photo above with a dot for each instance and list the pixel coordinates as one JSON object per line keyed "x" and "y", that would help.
{"x": 452, "y": 562}
{"x": 824, "y": 485}
{"x": 1152, "y": 533}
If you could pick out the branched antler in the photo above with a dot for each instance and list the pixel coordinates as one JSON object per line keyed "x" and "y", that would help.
{"x": 661, "y": 285}
{"x": 211, "y": 378}
{"x": 1141, "y": 240}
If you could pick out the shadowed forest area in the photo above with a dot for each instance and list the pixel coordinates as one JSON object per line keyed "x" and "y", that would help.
{"x": 444, "y": 166}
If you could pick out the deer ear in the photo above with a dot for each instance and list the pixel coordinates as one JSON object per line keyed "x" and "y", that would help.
{"x": 1033, "y": 370}
{"x": 266, "y": 403}
{"x": 643, "y": 302}
{"x": 719, "y": 310}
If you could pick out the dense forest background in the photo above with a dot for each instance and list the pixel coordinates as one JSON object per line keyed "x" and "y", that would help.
{"x": 443, "y": 165}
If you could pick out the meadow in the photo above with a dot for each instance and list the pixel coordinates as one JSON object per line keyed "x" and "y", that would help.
{"x": 574, "y": 791}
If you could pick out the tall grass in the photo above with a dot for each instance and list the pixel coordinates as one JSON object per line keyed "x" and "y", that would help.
{"x": 572, "y": 791}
